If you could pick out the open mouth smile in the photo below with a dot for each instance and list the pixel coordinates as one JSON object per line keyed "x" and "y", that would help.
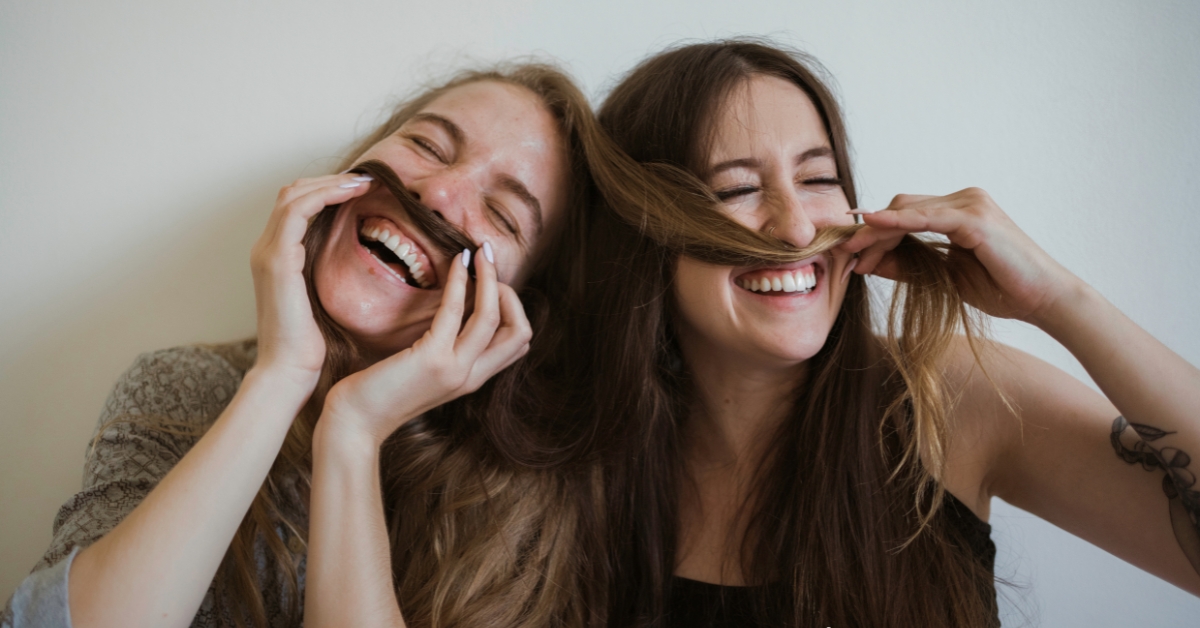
{"x": 397, "y": 252}
{"x": 794, "y": 281}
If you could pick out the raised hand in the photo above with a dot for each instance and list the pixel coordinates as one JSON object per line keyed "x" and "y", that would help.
{"x": 288, "y": 338}
{"x": 450, "y": 360}
{"x": 1000, "y": 270}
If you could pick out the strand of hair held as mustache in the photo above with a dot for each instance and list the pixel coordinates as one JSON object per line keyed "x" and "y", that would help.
{"x": 444, "y": 235}
{"x": 678, "y": 211}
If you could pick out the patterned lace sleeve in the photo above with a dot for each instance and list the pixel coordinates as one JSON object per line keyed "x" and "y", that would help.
{"x": 158, "y": 409}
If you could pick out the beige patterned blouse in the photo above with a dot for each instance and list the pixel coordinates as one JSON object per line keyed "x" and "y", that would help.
{"x": 187, "y": 386}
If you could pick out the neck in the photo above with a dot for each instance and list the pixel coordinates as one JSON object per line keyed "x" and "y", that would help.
{"x": 739, "y": 405}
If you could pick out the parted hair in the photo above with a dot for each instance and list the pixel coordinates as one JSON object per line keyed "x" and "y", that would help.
{"x": 495, "y": 502}
{"x": 482, "y": 532}
{"x": 844, "y": 520}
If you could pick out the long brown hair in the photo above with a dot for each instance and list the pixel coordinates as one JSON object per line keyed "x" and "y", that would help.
{"x": 845, "y": 509}
{"x": 478, "y": 538}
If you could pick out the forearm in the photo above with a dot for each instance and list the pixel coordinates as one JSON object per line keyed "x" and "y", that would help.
{"x": 1158, "y": 395}
{"x": 349, "y": 577}
{"x": 1144, "y": 379}
{"x": 154, "y": 568}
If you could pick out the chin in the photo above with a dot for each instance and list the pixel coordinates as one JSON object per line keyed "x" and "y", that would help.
{"x": 792, "y": 348}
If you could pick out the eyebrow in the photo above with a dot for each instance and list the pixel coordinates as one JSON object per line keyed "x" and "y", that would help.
{"x": 453, "y": 130}
{"x": 517, "y": 188}
{"x": 750, "y": 162}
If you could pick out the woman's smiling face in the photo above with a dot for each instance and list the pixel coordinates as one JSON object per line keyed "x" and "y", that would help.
{"x": 771, "y": 163}
{"x": 488, "y": 158}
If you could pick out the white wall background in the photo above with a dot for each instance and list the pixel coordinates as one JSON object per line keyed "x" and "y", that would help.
{"x": 142, "y": 143}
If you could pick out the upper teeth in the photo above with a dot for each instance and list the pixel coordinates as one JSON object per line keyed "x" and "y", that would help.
{"x": 802, "y": 280}
{"x": 406, "y": 253}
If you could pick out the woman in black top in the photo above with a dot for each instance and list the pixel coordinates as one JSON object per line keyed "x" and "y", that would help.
{"x": 777, "y": 460}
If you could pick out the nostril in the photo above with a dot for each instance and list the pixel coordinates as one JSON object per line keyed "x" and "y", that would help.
{"x": 438, "y": 214}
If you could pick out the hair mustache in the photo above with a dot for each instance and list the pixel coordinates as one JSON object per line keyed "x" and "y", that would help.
{"x": 442, "y": 233}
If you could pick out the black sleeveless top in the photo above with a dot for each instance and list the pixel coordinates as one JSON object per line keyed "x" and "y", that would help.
{"x": 696, "y": 604}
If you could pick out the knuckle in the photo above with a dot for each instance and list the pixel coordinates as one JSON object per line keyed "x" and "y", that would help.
{"x": 977, "y": 195}
{"x": 490, "y": 317}
{"x": 454, "y": 310}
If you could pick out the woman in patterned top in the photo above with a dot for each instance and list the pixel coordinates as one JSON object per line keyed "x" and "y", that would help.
{"x": 213, "y": 494}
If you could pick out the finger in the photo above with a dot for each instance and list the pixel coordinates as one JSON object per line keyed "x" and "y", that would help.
{"x": 942, "y": 216}
{"x": 902, "y": 201}
{"x": 298, "y": 198}
{"x": 870, "y": 256}
{"x": 294, "y": 222}
{"x": 510, "y": 342}
{"x": 448, "y": 320}
{"x": 514, "y": 324}
{"x": 868, "y": 236}
{"x": 888, "y": 267}
{"x": 478, "y": 332}
{"x": 300, "y": 187}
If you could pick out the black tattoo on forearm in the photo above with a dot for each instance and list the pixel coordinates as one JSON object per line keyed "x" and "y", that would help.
{"x": 1177, "y": 484}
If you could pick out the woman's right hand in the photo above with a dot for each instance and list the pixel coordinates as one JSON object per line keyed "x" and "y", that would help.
{"x": 289, "y": 342}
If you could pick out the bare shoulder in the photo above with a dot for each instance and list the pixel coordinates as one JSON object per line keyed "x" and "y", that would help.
{"x": 1009, "y": 407}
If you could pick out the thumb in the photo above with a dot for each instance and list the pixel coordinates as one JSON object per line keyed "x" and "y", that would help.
{"x": 888, "y": 267}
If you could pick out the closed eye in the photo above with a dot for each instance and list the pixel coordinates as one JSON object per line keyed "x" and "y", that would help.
{"x": 823, "y": 181}
{"x": 427, "y": 147}
{"x": 505, "y": 221}
{"x": 731, "y": 193}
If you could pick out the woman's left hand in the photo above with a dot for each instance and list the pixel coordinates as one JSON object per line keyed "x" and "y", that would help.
{"x": 450, "y": 360}
{"x": 999, "y": 269}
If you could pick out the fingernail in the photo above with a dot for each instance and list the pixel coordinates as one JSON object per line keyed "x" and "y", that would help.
{"x": 849, "y": 267}
{"x": 466, "y": 258}
{"x": 364, "y": 177}
{"x": 862, "y": 211}
{"x": 487, "y": 252}
{"x": 349, "y": 185}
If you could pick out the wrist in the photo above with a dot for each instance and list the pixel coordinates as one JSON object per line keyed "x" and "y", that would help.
{"x": 1064, "y": 312}
{"x": 337, "y": 436}
{"x": 293, "y": 382}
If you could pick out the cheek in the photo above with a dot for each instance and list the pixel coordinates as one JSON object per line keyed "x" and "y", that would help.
{"x": 331, "y": 290}
{"x": 510, "y": 262}
{"x": 701, "y": 294}
{"x": 828, "y": 209}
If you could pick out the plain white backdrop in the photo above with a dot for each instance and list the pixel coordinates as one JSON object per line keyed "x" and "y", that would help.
{"x": 142, "y": 144}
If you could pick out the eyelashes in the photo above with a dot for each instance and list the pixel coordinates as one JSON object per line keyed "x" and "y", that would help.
{"x": 730, "y": 193}
{"x": 427, "y": 146}
{"x": 500, "y": 218}
{"x": 743, "y": 190}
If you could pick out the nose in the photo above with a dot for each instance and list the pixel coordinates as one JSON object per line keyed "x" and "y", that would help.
{"x": 451, "y": 195}
{"x": 787, "y": 220}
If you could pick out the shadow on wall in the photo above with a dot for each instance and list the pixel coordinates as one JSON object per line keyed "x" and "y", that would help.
{"x": 190, "y": 284}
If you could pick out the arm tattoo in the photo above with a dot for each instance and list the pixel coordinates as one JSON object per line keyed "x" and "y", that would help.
{"x": 1177, "y": 484}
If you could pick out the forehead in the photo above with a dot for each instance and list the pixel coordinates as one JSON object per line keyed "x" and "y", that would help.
{"x": 501, "y": 118}
{"x": 766, "y": 112}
